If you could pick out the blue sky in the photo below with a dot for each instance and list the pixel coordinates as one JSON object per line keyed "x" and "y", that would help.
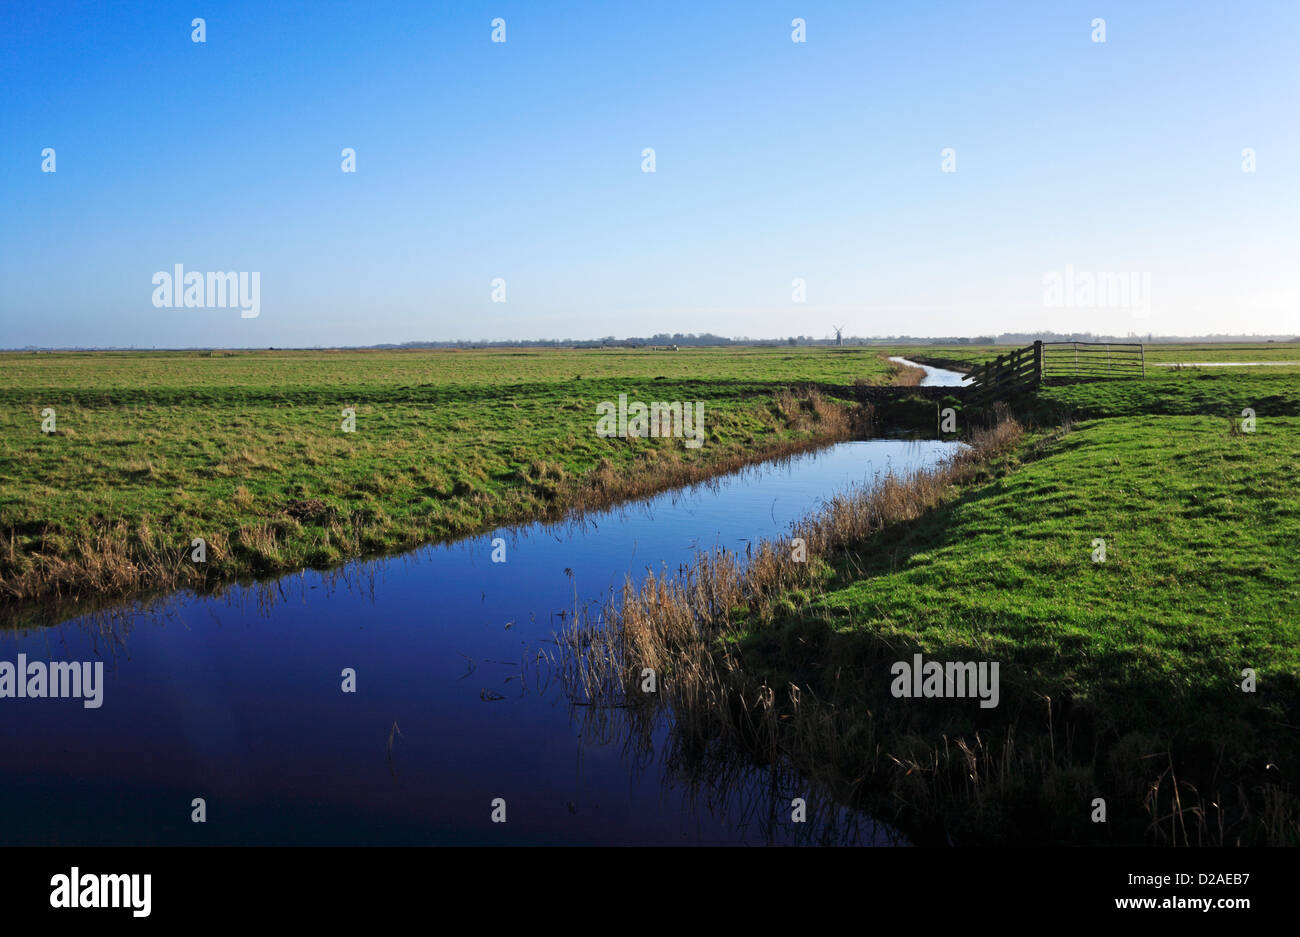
{"x": 522, "y": 160}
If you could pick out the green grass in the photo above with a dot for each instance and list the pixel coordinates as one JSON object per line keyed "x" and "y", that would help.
{"x": 246, "y": 450}
{"x": 154, "y": 449}
{"x": 1224, "y": 392}
{"x": 1200, "y": 580}
{"x": 1143, "y": 654}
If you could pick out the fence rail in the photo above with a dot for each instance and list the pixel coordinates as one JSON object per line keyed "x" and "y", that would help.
{"x": 1093, "y": 359}
{"x": 1016, "y": 371}
{"x": 1022, "y": 369}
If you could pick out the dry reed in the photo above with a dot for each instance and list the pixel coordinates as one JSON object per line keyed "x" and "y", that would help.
{"x": 686, "y": 628}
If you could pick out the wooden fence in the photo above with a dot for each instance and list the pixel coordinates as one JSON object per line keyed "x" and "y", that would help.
{"x": 1022, "y": 369}
{"x": 1007, "y": 375}
{"x": 1093, "y": 359}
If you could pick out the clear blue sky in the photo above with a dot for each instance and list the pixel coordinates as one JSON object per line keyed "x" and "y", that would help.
{"x": 522, "y": 160}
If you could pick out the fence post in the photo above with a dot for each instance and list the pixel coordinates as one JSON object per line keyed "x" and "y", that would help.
{"x": 1038, "y": 360}
{"x": 1142, "y": 350}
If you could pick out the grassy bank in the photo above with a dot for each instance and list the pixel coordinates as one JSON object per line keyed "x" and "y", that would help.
{"x": 1120, "y": 680}
{"x": 247, "y": 451}
{"x": 1141, "y": 657}
{"x": 1222, "y": 393}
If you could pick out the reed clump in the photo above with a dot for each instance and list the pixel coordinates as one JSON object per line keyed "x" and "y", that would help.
{"x": 1020, "y": 776}
{"x": 686, "y": 629}
{"x": 904, "y": 375}
{"x": 681, "y": 623}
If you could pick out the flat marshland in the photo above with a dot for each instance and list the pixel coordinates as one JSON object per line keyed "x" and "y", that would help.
{"x": 1122, "y": 679}
{"x": 246, "y": 450}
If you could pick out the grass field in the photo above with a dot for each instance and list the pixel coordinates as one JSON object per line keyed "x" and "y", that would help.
{"x": 1121, "y": 679}
{"x": 247, "y": 451}
{"x": 1200, "y": 577}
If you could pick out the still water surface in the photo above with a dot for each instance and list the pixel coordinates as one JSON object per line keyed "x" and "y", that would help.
{"x": 936, "y": 377}
{"x": 237, "y": 698}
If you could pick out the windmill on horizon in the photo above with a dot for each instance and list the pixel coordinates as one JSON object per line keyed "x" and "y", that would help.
{"x": 839, "y": 330}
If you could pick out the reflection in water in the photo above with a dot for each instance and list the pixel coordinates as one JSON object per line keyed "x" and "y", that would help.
{"x": 721, "y": 780}
{"x": 238, "y": 697}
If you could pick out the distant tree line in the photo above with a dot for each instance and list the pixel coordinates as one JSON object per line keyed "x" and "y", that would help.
{"x": 685, "y": 339}
{"x": 689, "y": 339}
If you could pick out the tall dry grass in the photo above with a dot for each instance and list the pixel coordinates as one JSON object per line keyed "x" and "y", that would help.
{"x": 686, "y": 627}
{"x": 817, "y": 420}
{"x": 678, "y": 620}
{"x": 113, "y": 560}
{"x": 680, "y": 625}
{"x": 903, "y": 375}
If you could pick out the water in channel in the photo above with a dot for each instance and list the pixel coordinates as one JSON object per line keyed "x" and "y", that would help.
{"x": 237, "y": 698}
